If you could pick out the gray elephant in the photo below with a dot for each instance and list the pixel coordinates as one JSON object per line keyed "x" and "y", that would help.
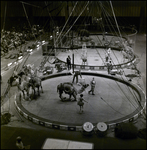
{"x": 69, "y": 89}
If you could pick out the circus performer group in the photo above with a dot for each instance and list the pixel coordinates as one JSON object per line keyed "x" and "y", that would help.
{"x": 27, "y": 80}
{"x": 70, "y": 89}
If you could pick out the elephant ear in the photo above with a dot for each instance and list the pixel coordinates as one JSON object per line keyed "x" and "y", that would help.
{"x": 67, "y": 89}
{"x": 60, "y": 86}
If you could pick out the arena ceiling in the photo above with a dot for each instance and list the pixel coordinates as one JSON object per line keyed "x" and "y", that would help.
{"x": 57, "y": 6}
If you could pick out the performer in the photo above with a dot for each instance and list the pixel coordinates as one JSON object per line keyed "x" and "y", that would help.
{"x": 75, "y": 75}
{"x": 106, "y": 57}
{"x": 80, "y": 102}
{"x": 84, "y": 54}
{"x": 109, "y": 52}
{"x": 109, "y": 67}
{"x": 92, "y": 83}
{"x": 68, "y": 60}
{"x": 84, "y": 59}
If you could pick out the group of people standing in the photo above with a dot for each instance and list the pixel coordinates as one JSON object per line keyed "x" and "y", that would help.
{"x": 81, "y": 100}
{"x": 92, "y": 83}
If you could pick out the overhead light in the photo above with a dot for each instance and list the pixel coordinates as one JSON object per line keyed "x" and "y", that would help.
{"x": 20, "y": 57}
{"x": 9, "y": 64}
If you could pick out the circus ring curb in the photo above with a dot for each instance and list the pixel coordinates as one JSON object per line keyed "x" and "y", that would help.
{"x": 118, "y": 66}
{"x": 111, "y": 124}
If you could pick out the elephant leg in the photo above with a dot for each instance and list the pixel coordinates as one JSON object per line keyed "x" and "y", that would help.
{"x": 60, "y": 94}
{"x": 23, "y": 94}
{"x": 75, "y": 97}
{"x": 41, "y": 88}
{"x": 34, "y": 91}
{"x": 28, "y": 96}
{"x": 62, "y": 99}
{"x": 38, "y": 91}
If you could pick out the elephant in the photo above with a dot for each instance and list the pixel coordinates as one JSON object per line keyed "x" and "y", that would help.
{"x": 23, "y": 86}
{"x": 69, "y": 89}
{"x": 36, "y": 82}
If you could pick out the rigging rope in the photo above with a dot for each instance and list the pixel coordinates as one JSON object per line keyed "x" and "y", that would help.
{"x": 5, "y": 16}
{"x": 115, "y": 19}
{"x": 66, "y": 23}
{"x": 76, "y": 19}
{"x": 30, "y": 4}
{"x": 122, "y": 69}
{"x": 50, "y": 14}
{"x": 28, "y": 20}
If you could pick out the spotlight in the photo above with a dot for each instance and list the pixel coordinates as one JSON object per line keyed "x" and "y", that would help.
{"x": 20, "y": 57}
{"x": 51, "y": 37}
{"x": 9, "y": 64}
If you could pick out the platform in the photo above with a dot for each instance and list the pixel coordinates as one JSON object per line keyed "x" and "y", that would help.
{"x": 65, "y": 144}
{"x": 115, "y": 101}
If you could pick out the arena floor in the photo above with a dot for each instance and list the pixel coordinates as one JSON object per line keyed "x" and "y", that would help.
{"x": 112, "y": 101}
{"x": 95, "y": 57}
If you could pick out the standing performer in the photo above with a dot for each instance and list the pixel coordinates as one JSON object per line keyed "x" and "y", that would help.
{"x": 84, "y": 54}
{"x": 68, "y": 60}
{"x": 109, "y": 67}
{"x": 92, "y": 83}
{"x": 80, "y": 102}
{"x": 76, "y": 73}
{"x": 106, "y": 57}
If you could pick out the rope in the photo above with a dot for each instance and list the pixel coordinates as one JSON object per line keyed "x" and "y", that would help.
{"x": 123, "y": 70}
{"x": 66, "y": 23}
{"x": 28, "y": 19}
{"x": 115, "y": 19}
{"x": 118, "y": 84}
{"x": 5, "y": 15}
{"x": 49, "y": 14}
{"x": 76, "y": 19}
{"x": 30, "y": 4}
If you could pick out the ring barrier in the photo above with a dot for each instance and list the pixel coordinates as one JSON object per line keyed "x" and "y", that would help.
{"x": 5, "y": 92}
{"x": 74, "y": 127}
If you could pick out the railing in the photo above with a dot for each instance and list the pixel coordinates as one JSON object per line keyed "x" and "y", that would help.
{"x": 7, "y": 88}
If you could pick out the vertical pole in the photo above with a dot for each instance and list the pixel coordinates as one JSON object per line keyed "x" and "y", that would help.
{"x": 73, "y": 62}
{"x": 72, "y": 54}
{"x": 67, "y": 16}
{"x": 54, "y": 34}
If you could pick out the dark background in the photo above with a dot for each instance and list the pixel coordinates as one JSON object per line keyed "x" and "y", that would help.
{"x": 54, "y": 13}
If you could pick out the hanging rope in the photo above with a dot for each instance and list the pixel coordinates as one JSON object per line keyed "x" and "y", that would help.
{"x": 26, "y": 15}
{"x": 76, "y": 19}
{"x": 30, "y": 4}
{"x": 28, "y": 20}
{"x": 115, "y": 19}
{"x": 49, "y": 14}
{"x": 124, "y": 73}
{"x": 5, "y": 16}
{"x": 66, "y": 22}
{"x": 125, "y": 77}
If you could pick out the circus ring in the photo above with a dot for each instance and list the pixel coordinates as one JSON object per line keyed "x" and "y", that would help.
{"x": 49, "y": 111}
{"x": 98, "y": 54}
